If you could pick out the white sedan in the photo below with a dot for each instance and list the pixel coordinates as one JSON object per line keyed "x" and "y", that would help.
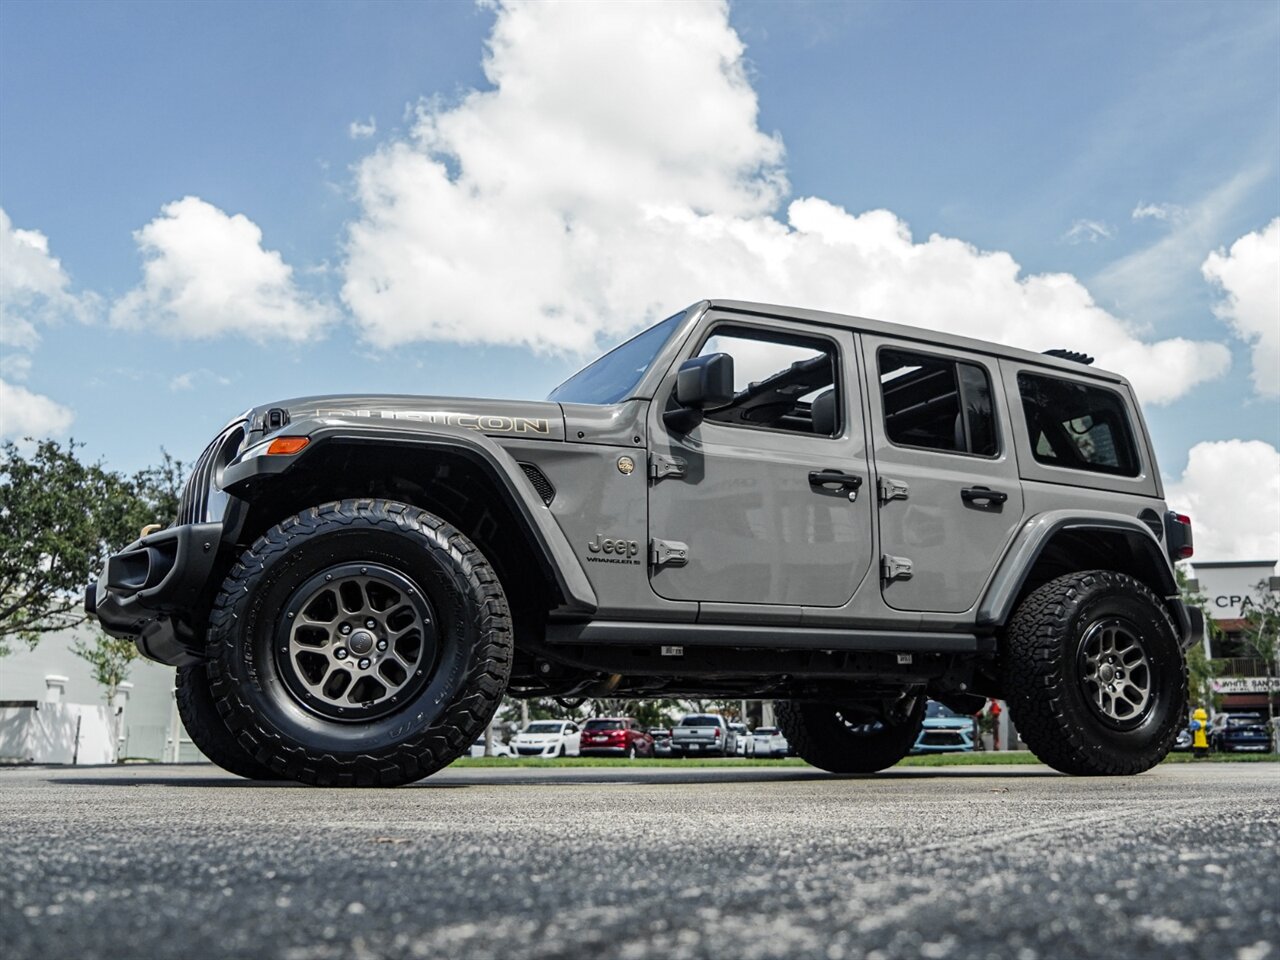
{"x": 770, "y": 742}
{"x": 548, "y": 738}
{"x": 499, "y": 748}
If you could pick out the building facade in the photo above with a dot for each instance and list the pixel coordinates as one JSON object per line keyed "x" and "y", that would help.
{"x": 1231, "y": 589}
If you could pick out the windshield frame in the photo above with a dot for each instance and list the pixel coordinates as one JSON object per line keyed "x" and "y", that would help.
{"x": 636, "y": 387}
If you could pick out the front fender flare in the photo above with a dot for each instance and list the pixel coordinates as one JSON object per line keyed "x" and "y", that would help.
{"x": 255, "y": 466}
{"x": 1002, "y": 592}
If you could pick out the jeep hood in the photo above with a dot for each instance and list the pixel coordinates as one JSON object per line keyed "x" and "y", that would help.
{"x": 533, "y": 420}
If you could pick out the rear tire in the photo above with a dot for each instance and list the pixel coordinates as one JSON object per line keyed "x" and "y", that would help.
{"x": 207, "y": 731}
{"x": 1094, "y": 674}
{"x": 820, "y": 736}
{"x": 359, "y": 643}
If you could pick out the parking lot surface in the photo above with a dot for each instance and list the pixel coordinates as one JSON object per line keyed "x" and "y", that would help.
{"x": 1017, "y": 863}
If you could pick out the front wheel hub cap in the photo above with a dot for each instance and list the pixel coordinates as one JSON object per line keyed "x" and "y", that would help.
{"x": 358, "y": 641}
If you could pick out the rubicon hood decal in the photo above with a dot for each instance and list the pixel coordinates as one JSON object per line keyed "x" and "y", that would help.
{"x": 487, "y": 423}
{"x": 540, "y": 420}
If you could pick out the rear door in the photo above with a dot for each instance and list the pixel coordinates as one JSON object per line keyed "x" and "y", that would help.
{"x": 743, "y": 491}
{"x": 948, "y": 492}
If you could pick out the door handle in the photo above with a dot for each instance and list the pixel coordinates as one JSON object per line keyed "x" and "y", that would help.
{"x": 983, "y": 494}
{"x": 836, "y": 480}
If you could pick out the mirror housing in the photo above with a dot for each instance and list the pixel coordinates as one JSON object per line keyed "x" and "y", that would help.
{"x": 702, "y": 383}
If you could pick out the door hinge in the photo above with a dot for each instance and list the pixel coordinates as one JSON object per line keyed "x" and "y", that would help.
{"x": 668, "y": 553}
{"x": 661, "y": 466}
{"x": 895, "y": 568}
{"x": 892, "y": 489}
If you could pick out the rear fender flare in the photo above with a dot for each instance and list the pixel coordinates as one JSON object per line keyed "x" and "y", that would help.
{"x": 1037, "y": 534}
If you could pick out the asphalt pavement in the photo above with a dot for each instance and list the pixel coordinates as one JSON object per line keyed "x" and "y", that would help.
{"x": 1010, "y": 863}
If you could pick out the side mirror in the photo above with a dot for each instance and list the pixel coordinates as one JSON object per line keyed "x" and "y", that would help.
{"x": 703, "y": 383}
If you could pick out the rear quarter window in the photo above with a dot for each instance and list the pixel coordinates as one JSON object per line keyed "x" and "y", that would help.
{"x": 1078, "y": 426}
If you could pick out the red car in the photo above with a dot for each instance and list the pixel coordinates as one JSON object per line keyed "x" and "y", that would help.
{"x": 615, "y": 737}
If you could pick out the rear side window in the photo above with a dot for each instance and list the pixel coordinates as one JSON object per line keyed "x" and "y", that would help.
{"x": 937, "y": 403}
{"x": 1078, "y": 426}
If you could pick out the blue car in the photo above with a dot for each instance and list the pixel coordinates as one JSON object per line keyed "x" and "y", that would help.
{"x": 1231, "y": 732}
{"x": 945, "y": 731}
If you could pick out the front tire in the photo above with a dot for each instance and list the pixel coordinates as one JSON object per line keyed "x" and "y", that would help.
{"x": 359, "y": 643}
{"x": 1094, "y": 675}
{"x": 820, "y": 735}
{"x": 200, "y": 718}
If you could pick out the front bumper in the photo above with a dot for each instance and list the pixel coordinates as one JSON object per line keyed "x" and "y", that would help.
{"x": 149, "y": 592}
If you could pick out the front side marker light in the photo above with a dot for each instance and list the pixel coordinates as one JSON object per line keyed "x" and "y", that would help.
{"x": 284, "y": 446}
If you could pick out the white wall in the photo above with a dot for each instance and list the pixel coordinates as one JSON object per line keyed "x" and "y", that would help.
{"x": 148, "y": 713}
{"x": 1230, "y": 587}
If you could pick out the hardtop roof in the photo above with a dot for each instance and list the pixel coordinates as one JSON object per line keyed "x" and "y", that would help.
{"x": 918, "y": 334}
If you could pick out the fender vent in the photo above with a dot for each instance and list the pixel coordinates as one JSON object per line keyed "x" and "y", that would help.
{"x": 540, "y": 482}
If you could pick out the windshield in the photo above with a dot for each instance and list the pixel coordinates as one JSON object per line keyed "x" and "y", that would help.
{"x": 603, "y": 725}
{"x": 700, "y": 721}
{"x": 766, "y": 731}
{"x": 1244, "y": 719}
{"x": 615, "y": 375}
{"x": 936, "y": 711}
{"x": 543, "y": 728}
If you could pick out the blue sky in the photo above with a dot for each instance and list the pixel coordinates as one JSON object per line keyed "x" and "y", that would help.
{"x": 1033, "y": 129}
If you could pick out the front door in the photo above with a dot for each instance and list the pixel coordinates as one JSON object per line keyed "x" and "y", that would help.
{"x": 949, "y": 494}
{"x": 769, "y": 495}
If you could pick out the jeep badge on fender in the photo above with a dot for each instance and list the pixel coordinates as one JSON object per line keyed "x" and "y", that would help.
{"x": 353, "y": 582}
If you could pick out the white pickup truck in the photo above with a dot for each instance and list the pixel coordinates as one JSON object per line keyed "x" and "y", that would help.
{"x": 703, "y": 734}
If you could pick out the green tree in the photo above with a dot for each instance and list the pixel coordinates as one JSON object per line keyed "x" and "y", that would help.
{"x": 59, "y": 518}
{"x": 109, "y": 659}
{"x": 1200, "y": 669}
{"x": 1262, "y": 635}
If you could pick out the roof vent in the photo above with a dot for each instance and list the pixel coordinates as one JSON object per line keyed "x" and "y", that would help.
{"x": 1075, "y": 355}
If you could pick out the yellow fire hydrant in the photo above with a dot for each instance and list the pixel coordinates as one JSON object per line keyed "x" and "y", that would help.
{"x": 1200, "y": 733}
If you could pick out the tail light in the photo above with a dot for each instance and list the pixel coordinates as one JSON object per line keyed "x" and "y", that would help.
{"x": 717, "y": 733}
{"x": 1178, "y": 537}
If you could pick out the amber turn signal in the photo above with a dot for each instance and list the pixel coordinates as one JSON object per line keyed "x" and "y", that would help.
{"x": 287, "y": 445}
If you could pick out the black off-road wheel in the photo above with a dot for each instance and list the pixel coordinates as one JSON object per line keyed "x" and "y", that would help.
{"x": 207, "y": 731}
{"x": 359, "y": 643}
{"x": 1093, "y": 674}
{"x": 821, "y": 734}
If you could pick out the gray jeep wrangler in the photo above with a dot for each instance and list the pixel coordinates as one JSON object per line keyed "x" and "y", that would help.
{"x": 843, "y": 515}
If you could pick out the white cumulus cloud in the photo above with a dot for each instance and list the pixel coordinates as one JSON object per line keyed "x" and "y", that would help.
{"x": 362, "y": 130}
{"x": 1231, "y": 491}
{"x": 1249, "y": 275}
{"x": 1087, "y": 230}
{"x": 616, "y": 170}
{"x": 27, "y": 414}
{"x": 1158, "y": 211}
{"x": 206, "y": 274}
{"x": 34, "y": 288}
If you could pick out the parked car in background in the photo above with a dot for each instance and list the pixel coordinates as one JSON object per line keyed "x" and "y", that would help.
{"x": 615, "y": 737}
{"x": 498, "y": 749}
{"x": 746, "y": 746}
{"x": 661, "y": 741}
{"x": 769, "y": 742}
{"x": 945, "y": 731}
{"x": 1182, "y": 742}
{"x": 1231, "y": 732}
{"x": 703, "y": 734}
{"x": 547, "y": 738}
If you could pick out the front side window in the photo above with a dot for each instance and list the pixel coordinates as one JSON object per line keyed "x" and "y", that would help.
{"x": 1078, "y": 426}
{"x": 781, "y": 381}
{"x": 937, "y": 403}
